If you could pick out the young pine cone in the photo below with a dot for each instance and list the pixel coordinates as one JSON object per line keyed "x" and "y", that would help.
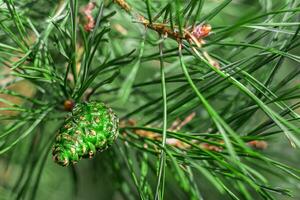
{"x": 91, "y": 127}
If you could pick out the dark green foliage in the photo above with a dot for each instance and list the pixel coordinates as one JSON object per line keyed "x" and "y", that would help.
{"x": 90, "y": 127}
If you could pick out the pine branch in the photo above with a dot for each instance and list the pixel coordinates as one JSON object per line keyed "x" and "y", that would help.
{"x": 205, "y": 95}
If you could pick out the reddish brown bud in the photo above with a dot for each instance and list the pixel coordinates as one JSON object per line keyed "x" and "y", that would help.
{"x": 210, "y": 147}
{"x": 89, "y": 26}
{"x": 69, "y": 105}
{"x": 256, "y": 144}
{"x": 201, "y": 31}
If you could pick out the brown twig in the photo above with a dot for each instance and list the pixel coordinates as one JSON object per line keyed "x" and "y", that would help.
{"x": 198, "y": 32}
{"x": 255, "y": 144}
{"x": 193, "y": 35}
{"x": 176, "y": 126}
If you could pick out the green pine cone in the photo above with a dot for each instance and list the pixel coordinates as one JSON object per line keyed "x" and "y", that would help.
{"x": 91, "y": 127}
